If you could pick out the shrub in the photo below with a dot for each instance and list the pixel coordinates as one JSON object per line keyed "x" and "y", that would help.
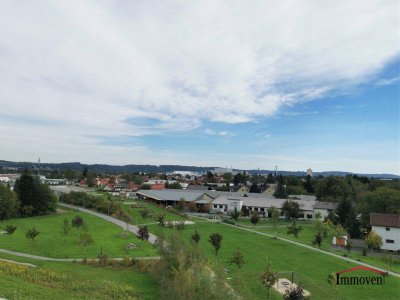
{"x": 10, "y": 229}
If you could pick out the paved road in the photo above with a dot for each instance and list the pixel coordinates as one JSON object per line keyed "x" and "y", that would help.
{"x": 308, "y": 247}
{"x": 132, "y": 228}
{"x": 17, "y": 263}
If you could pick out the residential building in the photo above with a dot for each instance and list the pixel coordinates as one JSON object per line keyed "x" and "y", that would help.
{"x": 387, "y": 226}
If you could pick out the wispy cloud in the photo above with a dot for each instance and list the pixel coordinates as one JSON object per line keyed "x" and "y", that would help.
{"x": 387, "y": 81}
{"x": 219, "y": 133}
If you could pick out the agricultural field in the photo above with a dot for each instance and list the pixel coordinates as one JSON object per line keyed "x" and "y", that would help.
{"x": 51, "y": 242}
{"x": 53, "y": 280}
{"x": 311, "y": 268}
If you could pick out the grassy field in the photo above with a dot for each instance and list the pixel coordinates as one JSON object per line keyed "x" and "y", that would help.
{"x": 307, "y": 236}
{"x": 311, "y": 268}
{"x": 53, "y": 280}
{"x": 51, "y": 242}
{"x": 135, "y": 206}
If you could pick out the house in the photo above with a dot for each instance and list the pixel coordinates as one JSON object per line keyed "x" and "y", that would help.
{"x": 387, "y": 226}
{"x": 157, "y": 186}
{"x": 168, "y": 196}
{"x": 324, "y": 208}
{"x": 197, "y": 187}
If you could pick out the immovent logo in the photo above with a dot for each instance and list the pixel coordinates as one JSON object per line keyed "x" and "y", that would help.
{"x": 361, "y": 280}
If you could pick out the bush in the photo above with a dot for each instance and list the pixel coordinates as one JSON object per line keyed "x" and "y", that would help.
{"x": 10, "y": 229}
{"x": 227, "y": 221}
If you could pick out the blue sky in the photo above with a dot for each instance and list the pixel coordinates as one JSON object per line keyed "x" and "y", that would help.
{"x": 219, "y": 83}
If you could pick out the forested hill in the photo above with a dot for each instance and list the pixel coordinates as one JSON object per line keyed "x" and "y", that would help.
{"x": 6, "y": 165}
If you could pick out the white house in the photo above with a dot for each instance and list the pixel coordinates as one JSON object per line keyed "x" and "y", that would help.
{"x": 387, "y": 226}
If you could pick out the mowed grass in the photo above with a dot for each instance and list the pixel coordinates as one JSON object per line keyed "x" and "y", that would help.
{"x": 307, "y": 236}
{"x": 51, "y": 242}
{"x": 311, "y": 268}
{"x": 122, "y": 282}
{"x": 134, "y": 207}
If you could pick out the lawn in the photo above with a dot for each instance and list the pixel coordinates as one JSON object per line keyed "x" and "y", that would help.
{"x": 307, "y": 236}
{"x": 74, "y": 281}
{"x": 51, "y": 242}
{"x": 134, "y": 207}
{"x": 311, "y": 268}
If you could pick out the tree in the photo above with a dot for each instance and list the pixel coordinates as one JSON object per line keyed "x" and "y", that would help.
{"x": 161, "y": 220}
{"x": 8, "y": 203}
{"x": 146, "y": 186}
{"x": 343, "y": 211}
{"x": 235, "y": 214}
{"x": 32, "y": 233}
{"x": 66, "y": 228}
{"x": 373, "y": 240}
{"x": 192, "y": 206}
{"x": 228, "y": 177}
{"x": 254, "y": 188}
{"x": 181, "y": 204}
{"x": 215, "y": 240}
{"x": 78, "y": 222}
{"x": 274, "y": 213}
{"x": 381, "y": 200}
{"x": 10, "y": 229}
{"x": 174, "y": 185}
{"x": 85, "y": 239}
{"x": 318, "y": 239}
{"x": 245, "y": 211}
{"x": 144, "y": 213}
{"x": 280, "y": 192}
{"x": 180, "y": 225}
{"x": 291, "y": 209}
{"x": 268, "y": 277}
{"x": 196, "y": 237}
{"x": 34, "y": 195}
{"x": 294, "y": 229}
{"x": 143, "y": 233}
{"x": 254, "y": 218}
{"x": 237, "y": 259}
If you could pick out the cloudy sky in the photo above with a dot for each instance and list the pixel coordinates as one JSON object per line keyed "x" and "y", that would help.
{"x": 252, "y": 84}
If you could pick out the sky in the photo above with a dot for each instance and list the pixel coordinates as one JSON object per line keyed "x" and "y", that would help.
{"x": 293, "y": 84}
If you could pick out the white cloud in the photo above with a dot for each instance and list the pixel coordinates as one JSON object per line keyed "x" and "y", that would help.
{"x": 215, "y": 132}
{"x": 90, "y": 66}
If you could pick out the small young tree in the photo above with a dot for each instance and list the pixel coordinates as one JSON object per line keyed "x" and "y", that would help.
{"x": 85, "y": 239}
{"x": 254, "y": 218}
{"x": 161, "y": 220}
{"x": 181, "y": 204}
{"x": 192, "y": 206}
{"x": 143, "y": 233}
{"x": 237, "y": 259}
{"x": 268, "y": 277}
{"x": 10, "y": 229}
{"x": 196, "y": 237}
{"x": 215, "y": 240}
{"x": 294, "y": 229}
{"x": 66, "y": 228}
{"x": 144, "y": 213}
{"x": 32, "y": 233}
{"x": 77, "y": 222}
{"x": 348, "y": 247}
{"x": 180, "y": 225}
{"x": 318, "y": 239}
{"x": 235, "y": 214}
{"x": 373, "y": 240}
{"x": 294, "y": 293}
{"x": 274, "y": 212}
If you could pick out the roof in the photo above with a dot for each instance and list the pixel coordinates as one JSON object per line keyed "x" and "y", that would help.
{"x": 170, "y": 194}
{"x": 157, "y": 186}
{"x": 197, "y": 187}
{"x": 325, "y": 205}
{"x": 263, "y": 202}
{"x": 386, "y": 220}
{"x": 216, "y": 194}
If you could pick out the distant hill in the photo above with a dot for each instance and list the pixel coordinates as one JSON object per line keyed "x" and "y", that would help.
{"x": 9, "y": 165}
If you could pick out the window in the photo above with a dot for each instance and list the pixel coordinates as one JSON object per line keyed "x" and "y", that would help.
{"x": 387, "y": 229}
{"x": 262, "y": 209}
{"x": 309, "y": 216}
{"x": 389, "y": 241}
{"x": 301, "y": 216}
{"x": 215, "y": 206}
